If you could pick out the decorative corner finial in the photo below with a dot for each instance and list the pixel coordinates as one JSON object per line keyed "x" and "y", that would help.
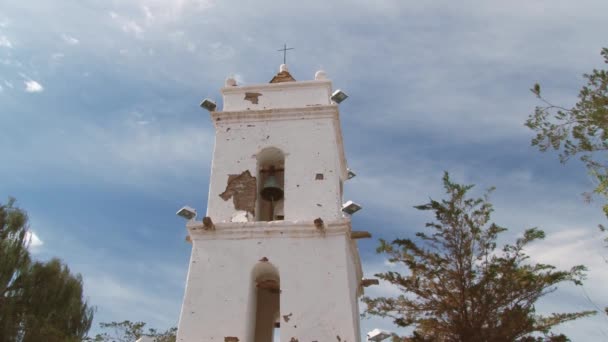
{"x": 321, "y": 75}
{"x": 230, "y": 82}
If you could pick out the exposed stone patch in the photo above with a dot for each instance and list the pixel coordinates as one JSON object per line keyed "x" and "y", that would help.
{"x": 231, "y": 339}
{"x": 252, "y": 97}
{"x": 243, "y": 190}
{"x": 287, "y": 317}
{"x": 293, "y": 339}
{"x": 282, "y": 76}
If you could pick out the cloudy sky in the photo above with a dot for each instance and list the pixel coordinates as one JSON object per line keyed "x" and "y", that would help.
{"x": 101, "y": 137}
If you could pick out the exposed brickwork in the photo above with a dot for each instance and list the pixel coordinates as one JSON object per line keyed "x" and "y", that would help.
{"x": 243, "y": 189}
{"x": 252, "y": 97}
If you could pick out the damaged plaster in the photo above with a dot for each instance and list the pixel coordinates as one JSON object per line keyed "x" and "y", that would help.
{"x": 243, "y": 190}
{"x": 252, "y": 97}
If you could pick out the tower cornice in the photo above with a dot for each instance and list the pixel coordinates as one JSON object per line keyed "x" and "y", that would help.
{"x": 262, "y": 229}
{"x": 299, "y": 113}
{"x": 277, "y": 86}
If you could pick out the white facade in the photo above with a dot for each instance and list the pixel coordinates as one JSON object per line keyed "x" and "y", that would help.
{"x": 268, "y": 261}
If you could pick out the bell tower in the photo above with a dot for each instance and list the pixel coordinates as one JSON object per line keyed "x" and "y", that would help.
{"x": 275, "y": 254}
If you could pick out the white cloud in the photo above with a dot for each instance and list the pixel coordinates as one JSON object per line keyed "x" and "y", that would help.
{"x": 221, "y": 51}
{"x": 34, "y": 240}
{"x": 32, "y": 86}
{"x": 132, "y": 27}
{"x": 576, "y": 246}
{"x": 160, "y": 10}
{"x": 9, "y": 84}
{"x": 239, "y": 78}
{"x": 5, "y": 42}
{"x": 567, "y": 248}
{"x": 136, "y": 152}
{"x": 121, "y": 298}
{"x": 148, "y": 13}
{"x": 69, "y": 39}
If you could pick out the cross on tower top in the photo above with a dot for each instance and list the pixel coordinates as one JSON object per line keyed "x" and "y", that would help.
{"x": 284, "y": 49}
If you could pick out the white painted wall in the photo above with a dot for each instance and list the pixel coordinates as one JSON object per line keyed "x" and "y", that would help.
{"x": 319, "y": 269}
{"x": 310, "y": 148}
{"x": 278, "y": 95}
{"x": 315, "y": 282}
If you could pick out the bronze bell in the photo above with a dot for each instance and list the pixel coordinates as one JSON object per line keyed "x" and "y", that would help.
{"x": 272, "y": 190}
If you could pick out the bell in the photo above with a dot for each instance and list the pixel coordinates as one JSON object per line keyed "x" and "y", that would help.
{"x": 272, "y": 190}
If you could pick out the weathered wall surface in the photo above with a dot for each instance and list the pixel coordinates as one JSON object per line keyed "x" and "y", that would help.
{"x": 310, "y": 150}
{"x": 316, "y": 302}
{"x": 318, "y": 265}
{"x": 278, "y": 95}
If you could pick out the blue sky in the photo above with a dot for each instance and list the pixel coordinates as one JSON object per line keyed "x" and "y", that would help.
{"x": 102, "y": 138}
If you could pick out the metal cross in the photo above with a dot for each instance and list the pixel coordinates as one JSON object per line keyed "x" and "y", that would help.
{"x": 284, "y": 49}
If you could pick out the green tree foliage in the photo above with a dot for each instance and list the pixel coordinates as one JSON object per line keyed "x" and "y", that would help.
{"x": 39, "y": 301}
{"x": 460, "y": 287}
{"x": 14, "y": 263}
{"x": 54, "y": 299}
{"x": 578, "y": 131}
{"x": 127, "y": 331}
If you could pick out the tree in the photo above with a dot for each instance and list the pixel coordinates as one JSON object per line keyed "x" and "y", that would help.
{"x": 14, "y": 263}
{"x": 55, "y": 306}
{"x": 127, "y": 331}
{"x": 578, "y": 131}
{"x": 460, "y": 287}
{"x": 39, "y": 301}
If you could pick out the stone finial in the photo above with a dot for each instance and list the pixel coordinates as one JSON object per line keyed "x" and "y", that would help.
{"x": 283, "y": 75}
{"x": 230, "y": 82}
{"x": 320, "y": 75}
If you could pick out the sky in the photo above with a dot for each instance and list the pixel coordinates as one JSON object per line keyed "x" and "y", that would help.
{"x": 102, "y": 139}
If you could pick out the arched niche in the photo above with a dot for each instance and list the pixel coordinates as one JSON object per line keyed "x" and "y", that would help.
{"x": 266, "y": 282}
{"x": 271, "y": 178}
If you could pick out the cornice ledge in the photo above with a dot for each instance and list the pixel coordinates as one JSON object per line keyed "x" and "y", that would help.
{"x": 278, "y": 86}
{"x": 308, "y": 112}
{"x": 275, "y": 229}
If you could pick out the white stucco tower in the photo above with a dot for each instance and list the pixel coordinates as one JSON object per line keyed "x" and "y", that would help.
{"x": 275, "y": 254}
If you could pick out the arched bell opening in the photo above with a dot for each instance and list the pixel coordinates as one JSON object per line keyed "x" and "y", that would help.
{"x": 271, "y": 183}
{"x": 267, "y": 302}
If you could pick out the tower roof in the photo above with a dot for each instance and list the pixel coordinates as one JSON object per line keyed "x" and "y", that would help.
{"x": 283, "y": 75}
